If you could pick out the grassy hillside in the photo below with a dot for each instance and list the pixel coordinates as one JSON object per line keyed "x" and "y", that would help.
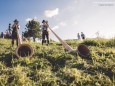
{"x": 53, "y": 66}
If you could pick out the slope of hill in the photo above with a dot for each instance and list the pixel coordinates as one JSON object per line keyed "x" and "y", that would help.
{"x": 53, "y": 66}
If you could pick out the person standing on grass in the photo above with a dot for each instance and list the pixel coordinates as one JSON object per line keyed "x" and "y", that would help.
{"x": 78, "y": 36}
{"x": 82, "y": 35}
{"x": 15, "y": 28}
{"x": 2, "y": 34}
{"x": 45, "y": 32}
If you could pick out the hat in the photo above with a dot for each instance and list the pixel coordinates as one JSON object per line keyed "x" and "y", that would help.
{"x": 16, "y": 20}
{"x": 43, "y": 21}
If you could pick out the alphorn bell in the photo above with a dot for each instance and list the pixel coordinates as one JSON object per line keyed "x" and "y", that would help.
{"x": 23, "y": 50}
{"x": 82, "y": 49}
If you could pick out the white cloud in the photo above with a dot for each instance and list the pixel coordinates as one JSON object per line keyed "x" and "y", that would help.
{"x": 55, "y": 27}
{"x": 59, "y": 25}
{"x": 35, "y": 18}
{"x": 51, "y": 13}
{"x": 28, "y": 19}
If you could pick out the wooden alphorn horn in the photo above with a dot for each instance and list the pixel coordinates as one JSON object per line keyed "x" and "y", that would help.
{"x": 23, "y": 50}
{"x": 67, "y": 47}
{"x": 82, "y": 49}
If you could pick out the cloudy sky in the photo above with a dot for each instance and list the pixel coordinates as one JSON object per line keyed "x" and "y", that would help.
{"x": 66, "y": 17}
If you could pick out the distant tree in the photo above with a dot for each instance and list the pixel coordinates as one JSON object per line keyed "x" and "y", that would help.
{"x": 33, "y": 29}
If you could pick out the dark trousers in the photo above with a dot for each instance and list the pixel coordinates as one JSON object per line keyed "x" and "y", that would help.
{"x": 13, "y": 42}
{"x": 14, "y": 37}
{"x": 45, "y": 34}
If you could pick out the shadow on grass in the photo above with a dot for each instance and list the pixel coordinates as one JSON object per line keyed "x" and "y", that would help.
{"x": 7, "y": 59}
{"x": 57, "y": 63}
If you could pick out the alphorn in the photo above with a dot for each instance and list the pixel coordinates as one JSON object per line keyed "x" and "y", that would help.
{"x": 82, "y": 49}
{"x": 23, "y": 50}
{"x": 67, "y": 47}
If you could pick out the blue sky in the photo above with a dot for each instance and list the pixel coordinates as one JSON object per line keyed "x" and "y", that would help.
{"x": 66, "y": 17}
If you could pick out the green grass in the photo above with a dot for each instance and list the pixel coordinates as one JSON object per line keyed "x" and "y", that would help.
{"x": 53, "y": 66}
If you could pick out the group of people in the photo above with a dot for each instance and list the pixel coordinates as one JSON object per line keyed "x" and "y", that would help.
{"x": 44, "y": 28}
{"x": 81, "y": 36}
{"x": 5, "y": 34}
{"x": 45, "y": 33}
{"x": 15, "y": 27}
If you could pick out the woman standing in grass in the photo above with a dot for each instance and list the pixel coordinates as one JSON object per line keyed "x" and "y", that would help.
{"x": 15, "y": 28}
